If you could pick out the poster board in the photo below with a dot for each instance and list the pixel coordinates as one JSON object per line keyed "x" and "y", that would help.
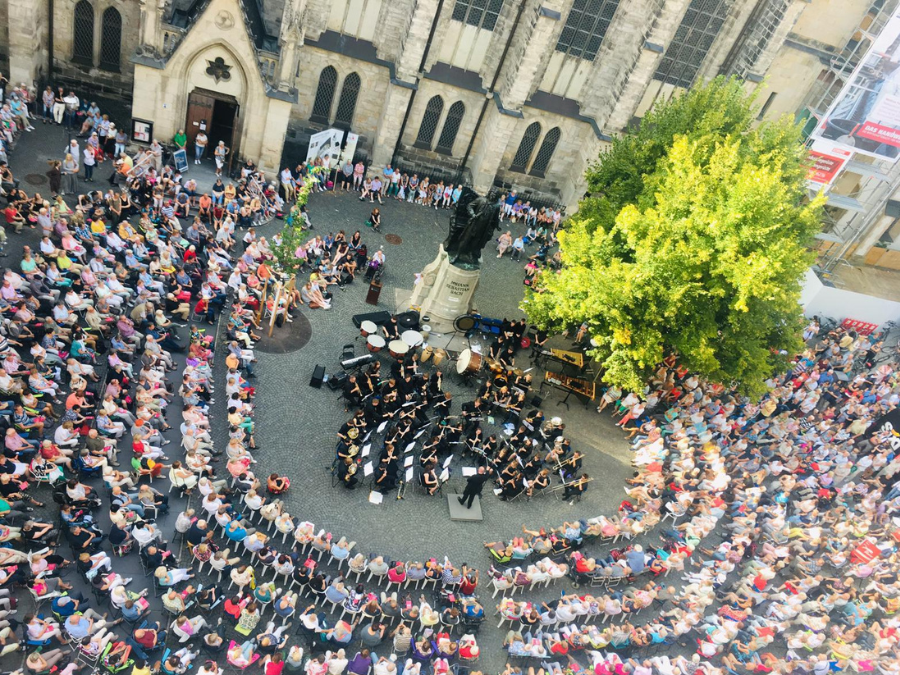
{"x": 349, "y": 147}
{"x": 181, "y": 160}
{"x": 141, "y": 130}
{"x": 325, "y": 144}
{"x": 865, "y": 115}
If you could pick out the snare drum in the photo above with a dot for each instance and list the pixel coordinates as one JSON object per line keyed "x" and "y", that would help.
{"x": 375, "y": 343}
{"x": 398, "y": 348}
{"x": 469, "y": 362}
{"x": 412, "y": 338}
{"x": 367, "y": 328}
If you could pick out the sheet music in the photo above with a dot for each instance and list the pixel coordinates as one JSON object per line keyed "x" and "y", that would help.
{"x": 416, "y": 437}
{"x": 368, "y": 469}
{"x": 365, "y": 450}
{"x": 375, "y": 497}
{"x": 382, "y": 426}
{"x": 410, "y": 446}
{"x": 498, "y": 491}
{"x": 408, "y": 461}
{"x": 368, "y": 436}
{"x": 409, "y": 474}
{"x": 469, "y": 471}
{"x": 490, "y": 419}
{"x": 448, "y": 460}
{"x": 445, "y": 475}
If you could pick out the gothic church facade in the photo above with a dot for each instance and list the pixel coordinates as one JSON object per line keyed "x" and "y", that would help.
{"x": 509, "y": 93}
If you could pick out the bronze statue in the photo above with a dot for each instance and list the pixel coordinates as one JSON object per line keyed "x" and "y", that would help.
{"x": 472, "y": 226}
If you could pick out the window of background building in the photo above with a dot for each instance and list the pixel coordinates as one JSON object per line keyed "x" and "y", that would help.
{"x": 526, "y": 148}
{"x": 698, "y": 30}
{"x": 478, "y": 13}
{"x": 585, "y": 28}
{"x": 430, "y": 119}
{"x": 321, "y": 109}
{"x": 451, "y": 128}
{"x": 545, "y": 153}
{"x": 343, "y": 118}
{"x": 111, "y": 40}
{"x": 83, "y": 34}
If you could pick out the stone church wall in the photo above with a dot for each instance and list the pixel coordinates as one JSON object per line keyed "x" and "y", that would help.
{"x": 94, "y": 78}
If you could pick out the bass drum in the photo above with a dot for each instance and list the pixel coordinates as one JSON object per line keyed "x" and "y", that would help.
{"x": 469, "y": 362}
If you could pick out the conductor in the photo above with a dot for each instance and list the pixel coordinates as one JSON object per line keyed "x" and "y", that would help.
{"x": 474, "y": 485}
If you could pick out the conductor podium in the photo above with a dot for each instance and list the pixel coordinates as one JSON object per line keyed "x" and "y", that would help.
{"x": 460, "y": 512}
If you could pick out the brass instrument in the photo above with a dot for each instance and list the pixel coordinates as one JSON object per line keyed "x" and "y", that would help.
{"x": 351, "y": 470}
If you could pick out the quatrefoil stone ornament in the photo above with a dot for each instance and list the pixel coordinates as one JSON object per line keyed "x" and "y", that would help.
{"x": 219, "y": 70}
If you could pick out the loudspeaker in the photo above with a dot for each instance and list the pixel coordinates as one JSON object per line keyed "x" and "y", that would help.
{"x": 536, "y": 401}
{"x": 317, "y": 377}
{"x": 337, "y": 380}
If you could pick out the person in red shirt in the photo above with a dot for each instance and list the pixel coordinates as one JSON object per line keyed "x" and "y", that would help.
{"x": 13, "y": 218}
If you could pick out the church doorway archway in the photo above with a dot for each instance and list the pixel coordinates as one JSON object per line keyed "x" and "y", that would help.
{"x": 218, "y": 115}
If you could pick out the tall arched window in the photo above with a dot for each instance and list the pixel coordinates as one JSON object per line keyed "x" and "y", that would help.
{"x": 429, "y": 122}
{"x": 111, "y": 40}
{"x": 324, "y": 95}
{"x": 83, "y": 35}
{"x": 451, "y": 127}
{"x": 545, "y": 153}
{"x": 526, "y": 148}
{"x": 343, "y": 118}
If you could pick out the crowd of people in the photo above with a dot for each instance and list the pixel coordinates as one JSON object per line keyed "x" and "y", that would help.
{"x": 781, "y": 517}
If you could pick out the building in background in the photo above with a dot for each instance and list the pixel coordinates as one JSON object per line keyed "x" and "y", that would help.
{"x": 499, "y": 93}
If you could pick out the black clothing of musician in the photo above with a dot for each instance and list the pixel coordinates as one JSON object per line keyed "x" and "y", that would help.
{"x": 391, "y": 329}
{"x": 347, "y": 473}
{"x": 474, "y": 485}
{"x": 579, "y": 487}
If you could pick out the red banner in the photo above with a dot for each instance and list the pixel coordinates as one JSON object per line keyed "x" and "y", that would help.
{"x": 823, "y": 168}
{"x": 877, "y": 132}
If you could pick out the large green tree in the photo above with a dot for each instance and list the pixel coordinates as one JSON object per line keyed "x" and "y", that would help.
{"x": 694, "y": 243}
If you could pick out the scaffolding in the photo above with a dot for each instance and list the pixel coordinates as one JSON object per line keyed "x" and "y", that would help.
{"x": 850, "y": 214}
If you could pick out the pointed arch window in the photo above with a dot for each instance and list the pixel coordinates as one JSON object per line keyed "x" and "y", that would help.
{"x": 545, "y": 152}
{"x": 111, "y": 40}
{"x": 321, "y": 109}
{"x": 451, "y": 128}
{"x": 343, "y": 118}
{"x": 430, "y": 120}
{"x": 83, "y": 34}
{"x": 526, "y": 148}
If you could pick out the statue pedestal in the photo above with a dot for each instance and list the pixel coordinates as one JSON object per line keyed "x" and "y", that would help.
{"x": 444, "y": 292}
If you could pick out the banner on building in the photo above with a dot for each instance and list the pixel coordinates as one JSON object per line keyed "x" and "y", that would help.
{"x": 865, "y": 116}
{"x": 325, "y": 144}
{"x": 826, "y": 159}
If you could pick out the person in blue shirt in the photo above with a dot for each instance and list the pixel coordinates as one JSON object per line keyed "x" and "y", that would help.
{"x": 236, "y": 532}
